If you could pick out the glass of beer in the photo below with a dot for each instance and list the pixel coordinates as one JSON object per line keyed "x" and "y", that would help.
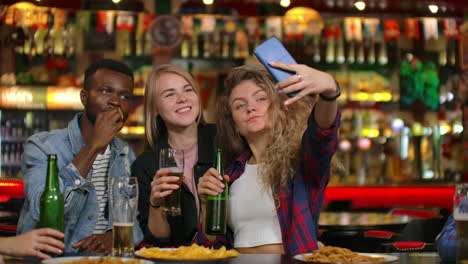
{"x": 460, "y": 214}
{"x": 123, "y": 197}
{"x": 173, "y": 159}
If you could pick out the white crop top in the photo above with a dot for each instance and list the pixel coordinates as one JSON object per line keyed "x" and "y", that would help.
{"x": 252, "y": 212}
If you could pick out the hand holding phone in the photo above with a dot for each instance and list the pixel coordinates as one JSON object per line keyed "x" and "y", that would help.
{"x": 273, "y": 50}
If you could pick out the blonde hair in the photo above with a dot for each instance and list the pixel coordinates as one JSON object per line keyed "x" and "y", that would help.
{"x": 154, "y": 125}
{"x": 289, "y": 123}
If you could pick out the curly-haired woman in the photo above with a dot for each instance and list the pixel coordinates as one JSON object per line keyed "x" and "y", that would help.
{"x": 280, "y": 150}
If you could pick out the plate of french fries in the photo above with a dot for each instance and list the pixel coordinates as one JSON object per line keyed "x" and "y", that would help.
{"x": 193, "y": 252}
{"x": 330, "y": 254}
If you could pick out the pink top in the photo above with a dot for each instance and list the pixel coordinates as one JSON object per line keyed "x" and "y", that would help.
{"x": 190, "y": 159}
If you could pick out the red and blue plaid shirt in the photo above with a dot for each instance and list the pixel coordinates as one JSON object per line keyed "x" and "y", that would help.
{"x": 301, "y": 199}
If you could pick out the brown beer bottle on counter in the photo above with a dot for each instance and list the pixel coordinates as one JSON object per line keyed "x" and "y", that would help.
{"x": 51, "y": 203}
{"x": 216, "y": 206}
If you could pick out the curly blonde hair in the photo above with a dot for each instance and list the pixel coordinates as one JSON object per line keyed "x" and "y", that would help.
{"x": 289, "y": 123}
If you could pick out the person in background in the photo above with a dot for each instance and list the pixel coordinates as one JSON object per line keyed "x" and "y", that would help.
{"x": 173, "y": 118}
{"x": 35, "y": 243}
{"x": 280, "y": 150}
{"x": 447, "y": 241}
{"x": 88, "y": 154}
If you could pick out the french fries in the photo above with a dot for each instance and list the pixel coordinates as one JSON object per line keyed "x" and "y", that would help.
{"x": 342, "y": 255}
{"x": 192, "y": 252}
{"x": 121, "y": 113}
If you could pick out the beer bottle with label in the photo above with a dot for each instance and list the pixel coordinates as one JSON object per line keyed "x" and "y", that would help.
{"x": 216, "y": 206}
{"x": 52, "y": 205}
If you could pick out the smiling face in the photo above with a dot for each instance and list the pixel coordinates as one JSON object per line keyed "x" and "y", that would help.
{"x": 107, "y": 90}
{"x": 176, "y": 101}
{"x": 250, "y": 108}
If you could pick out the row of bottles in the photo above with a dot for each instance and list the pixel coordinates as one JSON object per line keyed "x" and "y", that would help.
{"x": 380, "y": 148}
{"x": 20, "y": 129}
{"x": 15, "y": 128}
{"x": 12, "y": 154}
{"x": 216, "y": 45}
{"x": 240, "y": 45}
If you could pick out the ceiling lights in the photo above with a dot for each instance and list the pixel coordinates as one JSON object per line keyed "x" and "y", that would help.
{"x": 360, "y": 5}
{"x": 285, "y": 3}
{"x": 433, "y": 8}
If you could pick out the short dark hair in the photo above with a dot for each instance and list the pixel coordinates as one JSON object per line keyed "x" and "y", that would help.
{"x": 109, "y": 64}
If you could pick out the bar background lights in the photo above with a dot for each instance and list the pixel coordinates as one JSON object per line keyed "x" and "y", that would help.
{"x": 360, "y": 5}
{"x": 285, "y": 3}
{"x": 397, "y": 124}
{"x": 345, "y": 145}
{"x": 364, "y": 144}
{"x": 433, "y": 8}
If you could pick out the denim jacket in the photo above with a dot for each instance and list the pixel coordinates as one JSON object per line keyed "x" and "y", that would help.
{"x": 81, "y": 204}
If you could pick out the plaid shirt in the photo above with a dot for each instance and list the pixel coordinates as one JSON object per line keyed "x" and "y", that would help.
{"x": 298, "y": 203}
{"x": 447, "y": 241}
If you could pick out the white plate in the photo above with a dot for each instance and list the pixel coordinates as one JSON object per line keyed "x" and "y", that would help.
{"x": 64, "y": 259}
{"x": 388, "y": 258}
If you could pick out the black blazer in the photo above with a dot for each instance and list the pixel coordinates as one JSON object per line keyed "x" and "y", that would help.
{"x": 183, "y": 227}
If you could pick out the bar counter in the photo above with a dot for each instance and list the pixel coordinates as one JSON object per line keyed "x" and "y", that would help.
{"x": 389, "y": 196}
{"x": 403, "y": 258}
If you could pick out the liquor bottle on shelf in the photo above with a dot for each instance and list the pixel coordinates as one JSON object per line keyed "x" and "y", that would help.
{"x": 6, "y": 154}
{"x": 201, "y": 44}
{"x": 13, "y": 130}
{"x": 195, "y": 49}
{"x": 216, "y": 46}
{"x": 360, "y": 55}
{"x": 340, "y": 56}
{"x": 2, "y": 129}
{"x": 351, "y": 52}
{"x": 330, "y": 53}
{"x": 185, "y": 47}
{"x": 371, "y": 54}
{"x": 308, "y": 45}
{"x": 19, "y": 153}
{"x": 317, "y": 49}
{"x": 7, "y": 134}
{"x": 383, "y": 58}
{"x": 12, "y": 154}
{"x": 208, "y": 41}
{"x": 225, "y": 46}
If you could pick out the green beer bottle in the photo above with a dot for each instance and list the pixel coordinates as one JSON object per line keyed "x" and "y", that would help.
{"x": 52, "y": 199}
{"x": 216, "y": 206}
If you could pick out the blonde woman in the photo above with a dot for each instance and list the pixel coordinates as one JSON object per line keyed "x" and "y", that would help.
{"x": 280, "y": 151}
{"x": 173, "y": 118}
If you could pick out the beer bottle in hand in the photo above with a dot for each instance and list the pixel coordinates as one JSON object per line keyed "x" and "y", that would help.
{"x": 51, "y": 214}
{"x": 216, "y": 206}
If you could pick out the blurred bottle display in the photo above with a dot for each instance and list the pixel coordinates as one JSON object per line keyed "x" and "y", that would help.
{"x": 384, "y": 147}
